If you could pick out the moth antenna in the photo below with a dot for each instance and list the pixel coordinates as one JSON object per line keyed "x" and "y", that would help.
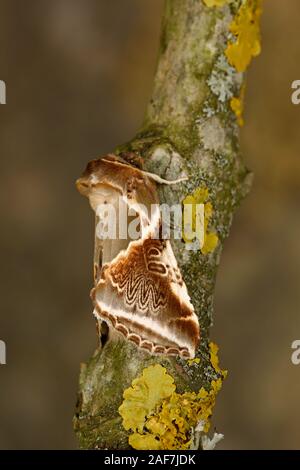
{"x": 160, "y": 180}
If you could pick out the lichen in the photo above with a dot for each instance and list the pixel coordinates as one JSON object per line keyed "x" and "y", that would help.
{"x": 223, "y": 82}
{"x": 222, "y": 79}
{"x": 214, "y": 359}
{"x": 210, "y": 444}
{"x": 211, "y": 239}
{"x": 216, "y": 3}
{"x": 161, "y": 418}
{"x": 143, "y": 395}
{"x": 245, "y": 28}
{"x": 194, "y": 361}
{"x": 237, "y": 106}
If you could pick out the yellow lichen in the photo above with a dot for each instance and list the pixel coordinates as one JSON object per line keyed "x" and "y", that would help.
{"x": 210, "y": 243}
{"x": 200, "y": 196}
{"x": 216, "y": 3}
{"x": 143, "y": 396}
{"x": 193, "y": 361}
{"x": 214, "y": 359}
{"x": 245, "y": 27}
{"x": 144, "y": 442}
{"x": 237, "y": 106}
{"x": 168, "y": 424}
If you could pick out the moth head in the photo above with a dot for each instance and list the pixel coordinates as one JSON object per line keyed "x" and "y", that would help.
{"x": 108, "y": 170}
{"x": 91, "y": 176}
{"x": 99, "y": 181}
{"x": 112, "y": 176}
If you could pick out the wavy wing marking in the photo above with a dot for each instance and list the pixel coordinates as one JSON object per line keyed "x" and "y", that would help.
{"x": 142, "y": 294}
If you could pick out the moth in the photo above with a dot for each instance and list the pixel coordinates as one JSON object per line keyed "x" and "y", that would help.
{"x": 138, "y": 289}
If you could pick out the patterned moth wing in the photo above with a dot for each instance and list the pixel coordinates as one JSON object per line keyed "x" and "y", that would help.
{"x": 142, "y": 294}
{"x": 139, "y": 291}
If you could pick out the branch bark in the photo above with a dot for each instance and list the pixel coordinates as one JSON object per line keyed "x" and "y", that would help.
{"x": 189, "y": 128}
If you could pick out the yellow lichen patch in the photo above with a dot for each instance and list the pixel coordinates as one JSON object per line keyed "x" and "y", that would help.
{"x": 144, "y": 442}
{"x": 214, "y": 359}
{"x": 216, "y": 3}
{"x": 237, "y": 106}
{"x": 168, "y": 424}
{"x": 245, "y": 27}
{"x": 144, "y": 394}
{"x": 210, "y": 239}
{"x": 193, "y": 361}
{"x": 210, "y": 243}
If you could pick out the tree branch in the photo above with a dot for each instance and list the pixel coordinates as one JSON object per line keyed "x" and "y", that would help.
{"x": 190, "y": 128}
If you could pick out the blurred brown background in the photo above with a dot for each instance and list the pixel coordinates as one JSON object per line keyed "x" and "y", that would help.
{"x": 78, "y": 75}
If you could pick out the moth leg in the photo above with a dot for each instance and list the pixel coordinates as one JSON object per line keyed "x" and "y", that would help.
{"x": 102, "y": 332}
{"x": 97, "y": 256}
{"x": 160, "y": 180}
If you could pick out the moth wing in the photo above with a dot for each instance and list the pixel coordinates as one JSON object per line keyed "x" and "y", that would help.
{"x": 141, "y": 195}
{"x": 142, "y": 295}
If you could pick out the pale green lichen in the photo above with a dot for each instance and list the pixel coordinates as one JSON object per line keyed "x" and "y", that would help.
{"x": 224, "y": 82}
{"x": 222, "y": 79}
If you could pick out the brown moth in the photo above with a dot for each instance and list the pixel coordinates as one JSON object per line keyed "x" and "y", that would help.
{"x": 139, "y": 291}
